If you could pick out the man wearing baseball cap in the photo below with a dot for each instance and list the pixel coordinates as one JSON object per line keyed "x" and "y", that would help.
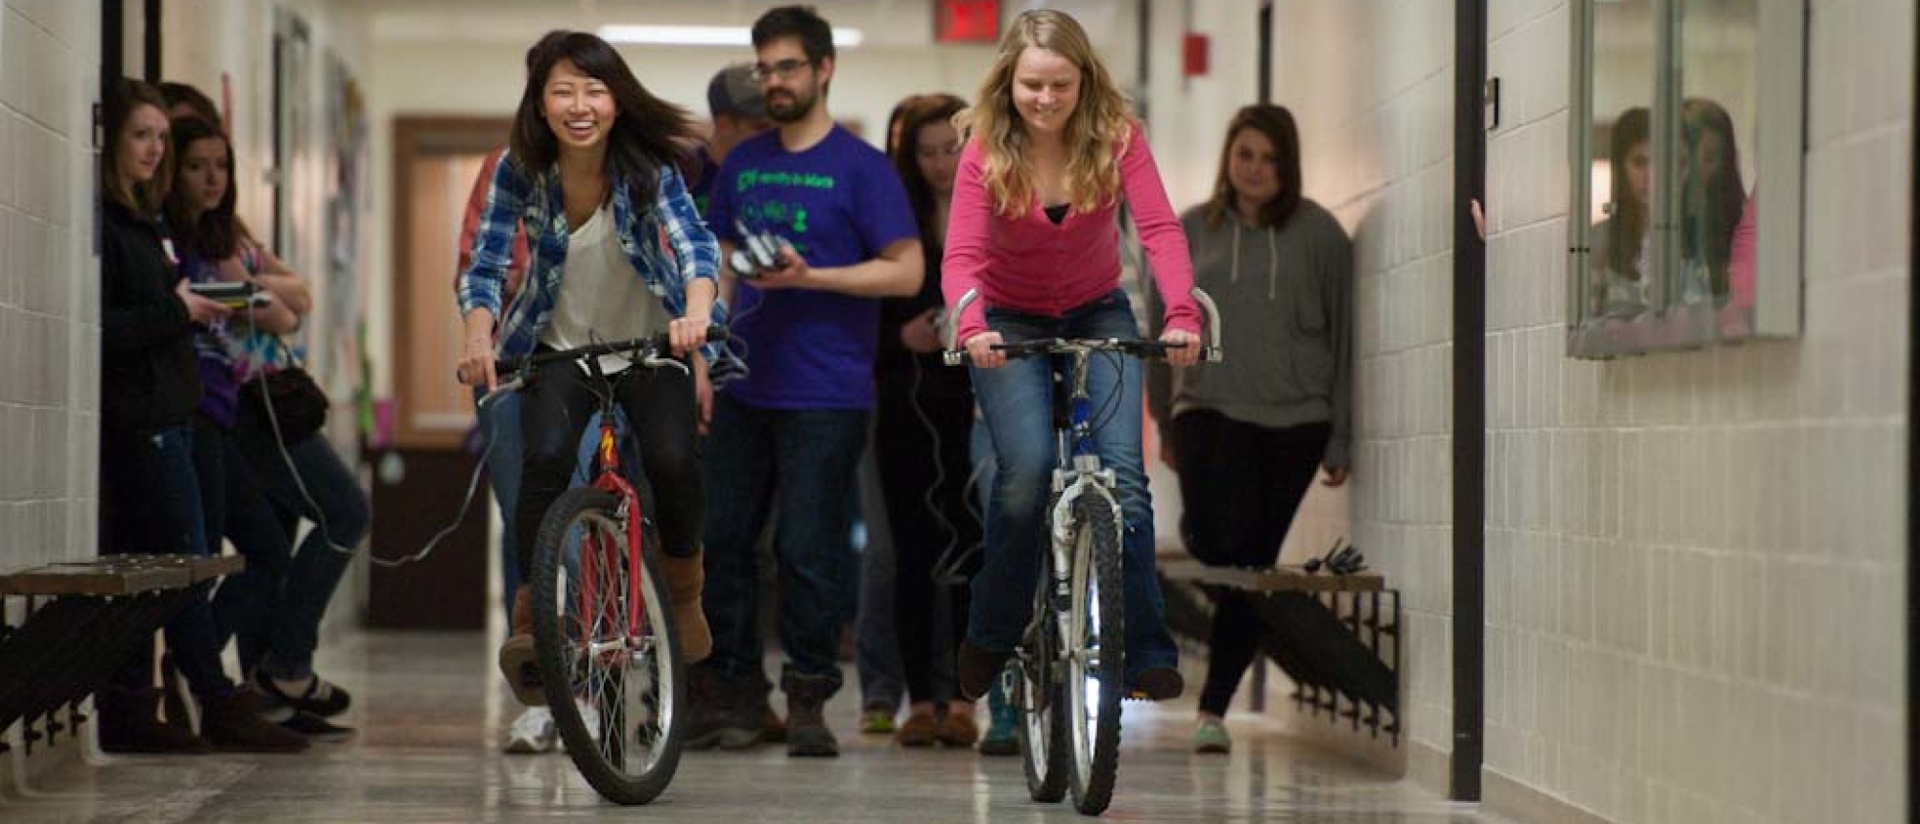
{"x": 739, "y": 112}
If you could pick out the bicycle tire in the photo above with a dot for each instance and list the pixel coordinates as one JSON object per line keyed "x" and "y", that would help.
{"x": 1096, "y": 602}
{"x": 1036, "y": 696}
{"x": 601, "y": 755}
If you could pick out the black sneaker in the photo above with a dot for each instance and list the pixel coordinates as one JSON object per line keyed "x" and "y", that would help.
{"x": 316, "y": 728}
{"x": 319, "y": 698}
{"x": 128, "y": 725}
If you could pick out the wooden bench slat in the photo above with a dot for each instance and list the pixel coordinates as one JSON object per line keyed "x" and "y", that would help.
{"x": 119, "y": 575}
{"x": 1284, "y": 578}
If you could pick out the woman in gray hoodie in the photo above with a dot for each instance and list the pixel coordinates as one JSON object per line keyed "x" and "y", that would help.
{"x": 1248, "y": 435}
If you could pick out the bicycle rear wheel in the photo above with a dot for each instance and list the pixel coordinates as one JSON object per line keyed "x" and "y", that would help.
{"x": 1035, "y": 691}
{"x": 610, "y": 665}
{"x": 1095, "y": 654}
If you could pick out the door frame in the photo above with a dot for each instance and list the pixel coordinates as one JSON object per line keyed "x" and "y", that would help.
{"x": 414, "y": 137}
{"x": 1469, "y": 402}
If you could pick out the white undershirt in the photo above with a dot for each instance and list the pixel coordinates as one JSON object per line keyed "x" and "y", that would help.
{"x": 602, "y": 297}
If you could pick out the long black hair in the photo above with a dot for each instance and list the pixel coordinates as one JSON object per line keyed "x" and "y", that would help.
{"x": 1714, "y": 199}
{"x": 1276, "y": 124}
{"x": 915, "y": 114}
{"x": 1626, "y": 224}
{"x": 647, "y": 132}
{"x": 215, "y": 235}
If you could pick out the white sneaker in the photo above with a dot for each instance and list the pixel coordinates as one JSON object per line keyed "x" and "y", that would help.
{"x": 532, "y": 733}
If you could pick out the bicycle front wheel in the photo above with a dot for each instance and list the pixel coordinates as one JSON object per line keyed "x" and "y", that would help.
{"x": 1095, "y": 654}
{"x": 1035, "y": 693}
{"x": 609, "y": 656}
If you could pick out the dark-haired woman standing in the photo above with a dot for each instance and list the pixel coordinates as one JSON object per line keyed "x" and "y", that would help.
{"x": 149, "y": 391}
{"x": 1248, "y": 434}
{"x": 619, "y": 251}
{"x": 921, "y": 430}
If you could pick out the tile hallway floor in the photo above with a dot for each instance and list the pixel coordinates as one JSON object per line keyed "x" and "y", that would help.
{"x": 431, "y": 712}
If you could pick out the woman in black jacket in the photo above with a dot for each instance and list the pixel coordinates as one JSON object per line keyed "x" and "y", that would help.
{"x": 149, "y": 389}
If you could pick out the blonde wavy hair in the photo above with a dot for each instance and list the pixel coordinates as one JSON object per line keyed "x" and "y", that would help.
{"x": 1096, "y": 132}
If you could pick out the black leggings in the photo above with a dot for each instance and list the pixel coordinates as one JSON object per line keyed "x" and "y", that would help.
{"x": 906, "y": 453}
{"x": 661, "y": 418}
{"x": 1240, "y": 485}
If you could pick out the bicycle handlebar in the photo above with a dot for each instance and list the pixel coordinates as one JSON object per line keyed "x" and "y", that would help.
{"x": 509, "y": 375}
{"x": 1142, "y": 347}
{"x": 1210, "y": 352}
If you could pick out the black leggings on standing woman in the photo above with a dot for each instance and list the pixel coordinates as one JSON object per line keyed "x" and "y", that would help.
{"x": 1240, "y": 485}
{"x": 661, "y": 417}
{"x": 935, "y": 534}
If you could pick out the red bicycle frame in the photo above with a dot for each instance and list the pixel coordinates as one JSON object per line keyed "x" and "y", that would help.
{"x": 609, "y": 480}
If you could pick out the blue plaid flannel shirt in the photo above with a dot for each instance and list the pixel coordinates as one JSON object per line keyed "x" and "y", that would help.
{"x": 668, "y": 244}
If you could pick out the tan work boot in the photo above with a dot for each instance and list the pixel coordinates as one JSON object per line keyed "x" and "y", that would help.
{"x": 518, "y": 662}
{"x": 684, "y": 579}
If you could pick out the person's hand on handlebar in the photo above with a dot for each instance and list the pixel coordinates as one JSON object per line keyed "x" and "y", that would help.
{"x": 688, "y": 334}
{"x": 1184, "y": 349}
{"x": 476, "y": 363}
{"x": 980, "y": 350}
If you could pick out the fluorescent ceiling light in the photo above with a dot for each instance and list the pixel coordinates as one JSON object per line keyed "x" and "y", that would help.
{"x": 705, "y": 35}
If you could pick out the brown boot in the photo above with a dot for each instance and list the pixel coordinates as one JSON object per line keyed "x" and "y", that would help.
{"x": 684, "y": 578}
{"x": 234, "y": 723}
{"x": 128, "y": 725}
{"x": 517, "y": 659}
{"x": 807, "y": 732}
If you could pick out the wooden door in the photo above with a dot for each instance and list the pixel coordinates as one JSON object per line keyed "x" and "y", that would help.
{"x": 435, "y": 162}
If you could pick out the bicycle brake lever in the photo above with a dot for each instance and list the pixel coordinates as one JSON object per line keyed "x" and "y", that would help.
{"x": 502, "y": 390}
{"x": 656, "y": 362}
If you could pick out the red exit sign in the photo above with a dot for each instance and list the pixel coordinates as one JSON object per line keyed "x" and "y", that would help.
{"x": 966, "y": 21}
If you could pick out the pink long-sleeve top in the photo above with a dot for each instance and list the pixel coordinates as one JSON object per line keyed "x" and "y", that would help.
{"x": 1028, "y": 264}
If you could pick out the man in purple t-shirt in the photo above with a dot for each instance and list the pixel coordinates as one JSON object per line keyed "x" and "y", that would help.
{"x": 791, "y": 431}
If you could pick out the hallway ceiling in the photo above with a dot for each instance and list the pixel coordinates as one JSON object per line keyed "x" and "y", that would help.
{"x": 885, "y": 23}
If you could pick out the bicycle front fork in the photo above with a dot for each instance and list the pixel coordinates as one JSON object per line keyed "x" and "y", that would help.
{"x": 1064, "y": 544}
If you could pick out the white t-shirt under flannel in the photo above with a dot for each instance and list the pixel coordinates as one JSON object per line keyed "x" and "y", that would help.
{"x": 602, "y": 298}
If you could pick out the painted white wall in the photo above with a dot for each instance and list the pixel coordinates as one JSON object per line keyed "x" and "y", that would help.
{"x": 49, "y": 304}
{"x": 49, "y": 284}
{"x": 1694, "y": 564}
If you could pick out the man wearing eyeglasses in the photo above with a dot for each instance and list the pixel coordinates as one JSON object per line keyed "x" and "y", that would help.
{"x": 789, "y": 434}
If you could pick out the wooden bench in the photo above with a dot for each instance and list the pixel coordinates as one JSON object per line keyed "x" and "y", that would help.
{"x": 94, "y": 615}
{"x": 118, "y": 575}
{"x": 1329, "y": 633}
{"x": 1283, "y": 578}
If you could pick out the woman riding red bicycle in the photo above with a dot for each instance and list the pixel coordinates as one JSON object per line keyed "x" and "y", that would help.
{"x": 619, "y": 251}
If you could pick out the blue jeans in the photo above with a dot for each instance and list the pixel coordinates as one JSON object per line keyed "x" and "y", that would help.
{"x": 232, "y": 505}
{"x": 1016, "y": 400}
{"x": 500, "y": 436}
{"x": 150, "y": 504}
{"x": 809, "y": 456}
{"x": 876, "y": 646}
{"x": 341, "y": 516}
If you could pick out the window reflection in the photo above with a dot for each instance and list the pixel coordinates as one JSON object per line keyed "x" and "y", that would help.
{"x": 1622, "y": 267}
{"x": 1671, "y": 231}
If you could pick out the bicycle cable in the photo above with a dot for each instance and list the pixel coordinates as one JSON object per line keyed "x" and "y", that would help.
{"x": 946, "y": 566}
{"x": 319, "y": 515}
